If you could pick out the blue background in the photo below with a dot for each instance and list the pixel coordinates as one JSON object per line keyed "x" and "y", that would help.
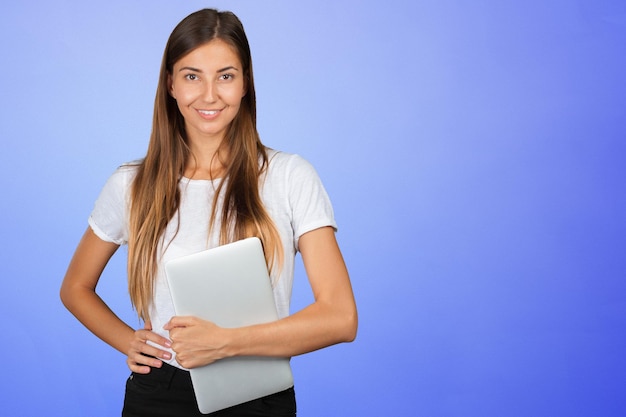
{"x": 475, "y": 154}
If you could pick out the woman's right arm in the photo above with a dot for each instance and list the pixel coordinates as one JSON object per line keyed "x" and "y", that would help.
{"x": 78, "y": 293}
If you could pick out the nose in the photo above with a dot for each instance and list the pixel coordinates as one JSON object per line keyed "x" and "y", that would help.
{"x": 210, "y": 92}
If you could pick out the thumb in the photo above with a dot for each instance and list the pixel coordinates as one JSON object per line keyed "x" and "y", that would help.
{"x": 179, "y": 321}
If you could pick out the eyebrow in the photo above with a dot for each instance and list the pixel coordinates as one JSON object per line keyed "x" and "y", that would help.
{"x": 229, "y": 68}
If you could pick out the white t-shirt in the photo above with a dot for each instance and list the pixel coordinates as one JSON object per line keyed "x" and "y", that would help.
{"x": 292, "y": 194}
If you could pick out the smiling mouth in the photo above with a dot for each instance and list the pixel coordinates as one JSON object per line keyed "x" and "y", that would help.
{"x": 208, "y": 112}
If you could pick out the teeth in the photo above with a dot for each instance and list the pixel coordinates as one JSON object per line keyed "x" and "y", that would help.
{"x": 208, "y": 112}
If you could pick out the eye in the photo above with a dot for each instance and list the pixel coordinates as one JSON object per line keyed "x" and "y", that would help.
{"x": 226, "y": 77}
{"x": 191, "y": 77}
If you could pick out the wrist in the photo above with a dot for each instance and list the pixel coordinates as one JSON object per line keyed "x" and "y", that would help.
{"x": 234, "y": 345}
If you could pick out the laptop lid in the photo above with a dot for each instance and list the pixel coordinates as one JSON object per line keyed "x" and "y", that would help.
{"x": 230, "y": 286}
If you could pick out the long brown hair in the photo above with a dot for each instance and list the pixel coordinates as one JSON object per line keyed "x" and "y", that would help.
{"x": 155, "y": 196}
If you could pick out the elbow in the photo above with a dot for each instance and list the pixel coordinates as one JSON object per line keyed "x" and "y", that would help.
{"x": 64, "y": 296}
{"x": 350, "y": 326}
{"x": 67, "y": 296}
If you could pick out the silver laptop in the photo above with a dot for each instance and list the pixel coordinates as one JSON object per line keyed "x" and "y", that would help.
{"x": 230, "y": 286}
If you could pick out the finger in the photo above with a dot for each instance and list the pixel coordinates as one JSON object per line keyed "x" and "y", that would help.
{"x": 142, "y": 354}
{"x": 140, "y": 367}
{"x": 145, "y": 336}
{"x": 180, "y": 321}
{"x": 156, "y": 338}
{"x": 150, "y": 344}
{"x": 144, "y": 348}
{"x": 188, "y": 364}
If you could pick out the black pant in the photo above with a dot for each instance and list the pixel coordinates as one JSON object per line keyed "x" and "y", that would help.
{"x": 167, "y": 392}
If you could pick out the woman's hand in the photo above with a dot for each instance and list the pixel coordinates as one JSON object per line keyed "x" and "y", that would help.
{"x": 196, "y": 342}
{"x": 142, "y": 356}
{"x": 332, "y": 318}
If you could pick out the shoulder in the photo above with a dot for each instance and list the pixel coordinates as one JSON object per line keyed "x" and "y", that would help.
{"x": 293, "y": 176}
{"x": 119, "y": 182}
{"x": 125, "y": 173}
{"x": 128, "y": 168}
{"x": 108, "y": 219}
{"x": 288, "y": 164}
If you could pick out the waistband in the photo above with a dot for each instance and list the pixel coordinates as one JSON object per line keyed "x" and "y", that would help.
{"x": 166, "y": 374}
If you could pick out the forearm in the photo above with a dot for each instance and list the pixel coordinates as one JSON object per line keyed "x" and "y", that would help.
{"x": 78, "y": 292}
{"x": 315, "y": 327}
{"x": 94, "y": 314}
{"x": 331, "y": 319}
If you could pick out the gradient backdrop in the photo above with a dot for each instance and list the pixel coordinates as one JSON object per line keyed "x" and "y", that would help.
{"x": 475, "y": 152}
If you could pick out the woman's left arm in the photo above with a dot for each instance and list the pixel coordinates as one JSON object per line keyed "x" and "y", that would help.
{"x": 330, "y": 319}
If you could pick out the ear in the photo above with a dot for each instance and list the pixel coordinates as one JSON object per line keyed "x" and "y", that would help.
{"x": 170, "y": 85}
{"x": 245, "y": 86}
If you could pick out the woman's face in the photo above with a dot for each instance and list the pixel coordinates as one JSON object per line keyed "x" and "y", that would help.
{"x": 208, "y": 84}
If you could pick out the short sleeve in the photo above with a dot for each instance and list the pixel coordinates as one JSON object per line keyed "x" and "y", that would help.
{"x": 309, "y": 202}
{"x": 109, "y": 218}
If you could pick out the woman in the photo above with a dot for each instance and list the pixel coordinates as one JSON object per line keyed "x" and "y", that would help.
{"x": 207, "y": 180}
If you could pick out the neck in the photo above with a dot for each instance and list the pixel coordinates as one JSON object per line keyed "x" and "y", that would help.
{"x": 207, "y": 160}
